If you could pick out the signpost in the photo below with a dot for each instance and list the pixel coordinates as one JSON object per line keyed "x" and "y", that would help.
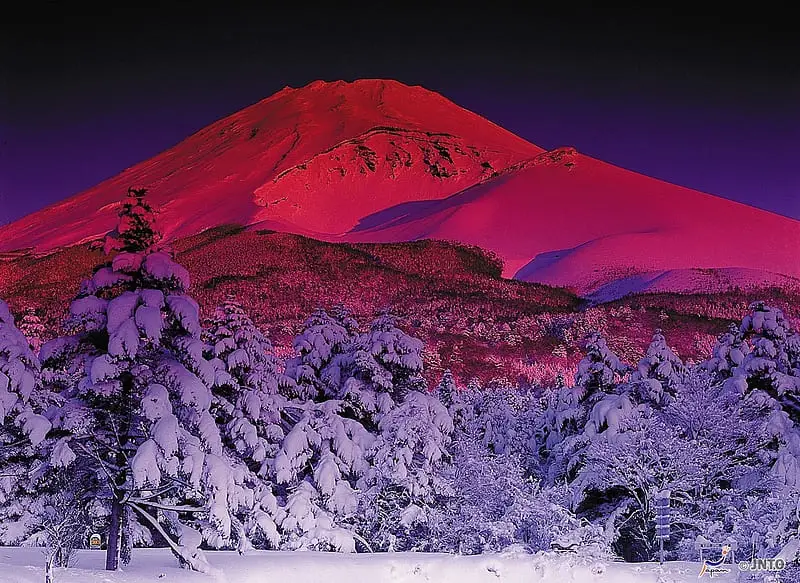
{"x": 661, "y": 505}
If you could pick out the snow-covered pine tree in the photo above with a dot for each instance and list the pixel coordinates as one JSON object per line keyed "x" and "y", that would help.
{"x": 319, "y": 467}
{"x": 248, "y": 382}
{"x": 659, "y": 373}
{"x": 446, "y": 389}
{"x": 245, "y": 351}
{"x": 322, "y": 460}
{"x": 338, "y": 442}
{"x": 405, "y": 479}
{"x": 566, "y": 411}
{"x": 323, "y": 350}
{"x": 728, "y": 353}
{"x": 22, "y": 429}
{"x": 769, "y": 379}
{"x": 32, "y": 328}
{"x": 138, "y": 416}
{"x": 771, "y": 364}
{"x": 600, "y": 369}
{"x": 248, "y": 404}
{"x": 19, "y": 371}
{"x": 386, "y": 365}
{"x": 387, "y": 392}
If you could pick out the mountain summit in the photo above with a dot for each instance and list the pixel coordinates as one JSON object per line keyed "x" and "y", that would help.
{"x": 317, "y": 158}
{"x": 379, "y": 161}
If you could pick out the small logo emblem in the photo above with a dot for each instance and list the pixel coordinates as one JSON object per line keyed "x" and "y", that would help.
{"x": 95, "y": 542}
{"x": 713, "y": 567}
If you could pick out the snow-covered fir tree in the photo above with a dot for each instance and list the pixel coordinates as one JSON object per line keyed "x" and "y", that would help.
{"x": 322, "y": 459}
{"x": 659, "y": 373}
{"x": 32, "y": 328}
{"x": 446, "y": 389}
{"x": 139, "y": 416}
{"x": 318, "y": 470}
{"x": 386, "y": 391}
{"x": 771, "y": 364}
{"x": 370, "y": 427}
{"x": 728, "y": 353}
{"x": 22, "y": 430}
{"x": 385, "y": 365}
{"x": 248, "y": 383}
{"x": 599, "y": 370}
{"x": 323, "y": 351}
{"x": 405, "y": 476}
{"x": 19, "y": 370}
{"x": 566, "y": 412}
{"x": 245, "y": 353}
{"x": 249, "y": 403}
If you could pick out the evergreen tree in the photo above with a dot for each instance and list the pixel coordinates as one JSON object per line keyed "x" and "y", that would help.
{"x": 729, "y": 352}
{"x": 32, "y": 328}
{"x": 319, "y": 468}
{"x": 405, "y": 479}
{"x": 19, "y": 371}
{"x": 566, "y": 411}
{"x": 771, "y": 364}
{"x": 446, "y": 389}
{"x": 248, "y": 382}
{"x": 136, "y": 231}
{"x": 322, "y": 462}
{"x": 599, "y": 370}
{"x": 323, "y": 351}
{"x": 22, "y": 430}
{"x": 659, "y": 373}
{"x": 139, "y": 417}
{"x": 386, "y": 365}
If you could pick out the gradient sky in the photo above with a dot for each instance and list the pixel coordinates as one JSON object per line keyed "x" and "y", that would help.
{"x": 708, "y": 102}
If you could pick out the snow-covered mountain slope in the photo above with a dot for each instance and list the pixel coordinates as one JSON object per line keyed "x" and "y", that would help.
{"x": 355, "y": 147}
{"x": 686, "y": 281}
{"x": 566, "y": 219}
{"x": 379, "y": 161}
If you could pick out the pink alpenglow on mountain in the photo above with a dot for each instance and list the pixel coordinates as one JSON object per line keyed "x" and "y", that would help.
{"x": 317, "y": 159}
{"x": 379, "y": 161}
{"x": 578, "y": 222}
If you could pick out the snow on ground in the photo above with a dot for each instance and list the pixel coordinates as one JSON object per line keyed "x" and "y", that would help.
{"x": 25, "y": 565}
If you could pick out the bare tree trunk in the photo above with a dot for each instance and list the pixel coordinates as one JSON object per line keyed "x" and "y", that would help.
{"x": 114, "y": 548}
{"x": 114, "y": 532}
{"x": 48, "y": 568}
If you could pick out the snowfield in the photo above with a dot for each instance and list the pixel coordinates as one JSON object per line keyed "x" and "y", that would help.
{"x": 25, "y": 565}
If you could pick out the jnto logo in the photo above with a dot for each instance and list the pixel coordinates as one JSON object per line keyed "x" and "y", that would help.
{"x": 713, "y": 567}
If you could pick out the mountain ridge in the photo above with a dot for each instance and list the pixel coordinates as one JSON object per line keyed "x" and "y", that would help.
{"x": 380, "y": 161}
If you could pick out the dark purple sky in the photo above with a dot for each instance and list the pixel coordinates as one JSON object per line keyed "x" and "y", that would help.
{"x": 709, "y": 102}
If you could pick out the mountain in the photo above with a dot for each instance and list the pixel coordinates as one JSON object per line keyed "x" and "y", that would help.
{"x": 566, "y": 219}
{"x": 379, "y": 161}
{"x": 316, "y": 158}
